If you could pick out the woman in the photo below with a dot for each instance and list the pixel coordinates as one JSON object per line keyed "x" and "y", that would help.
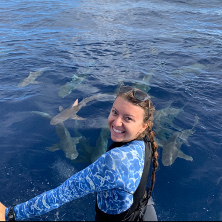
{"x": 119, "y": 176}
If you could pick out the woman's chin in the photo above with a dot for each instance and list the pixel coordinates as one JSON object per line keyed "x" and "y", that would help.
{"x": 117, "y": 138}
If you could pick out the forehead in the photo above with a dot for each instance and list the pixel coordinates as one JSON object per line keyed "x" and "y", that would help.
{"x": 127, "y": 108}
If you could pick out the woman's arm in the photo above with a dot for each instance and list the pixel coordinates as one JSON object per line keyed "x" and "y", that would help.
{"x": 2, "y": 212}
{"x": 98, "y": 176}
{"x": 112, "y": 170}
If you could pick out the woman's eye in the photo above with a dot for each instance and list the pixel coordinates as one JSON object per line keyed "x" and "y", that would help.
{"x": 114, "y": 112}
{"x": 128, "y": 119}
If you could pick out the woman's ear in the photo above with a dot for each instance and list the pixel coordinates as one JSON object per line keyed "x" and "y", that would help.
{"x": 145, "y": 125}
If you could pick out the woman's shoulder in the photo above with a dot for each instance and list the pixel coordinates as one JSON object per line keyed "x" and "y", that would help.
{"x": 135, "y": 147}
{"x": 129, "y": 151}
{"x": 128, "y": 158}
{"x": 136, "y": 143}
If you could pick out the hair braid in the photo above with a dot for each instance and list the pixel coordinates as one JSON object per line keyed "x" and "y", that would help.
{"x": 155, "y": 161}
{"x": 154, "y": 146}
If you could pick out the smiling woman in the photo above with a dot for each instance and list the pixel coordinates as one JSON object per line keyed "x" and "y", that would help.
{"x": 119, "y": 176}
{"x": 125, "y": 121}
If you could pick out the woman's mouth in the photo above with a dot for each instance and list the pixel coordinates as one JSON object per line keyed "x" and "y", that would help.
{"x": 117, "y": 131}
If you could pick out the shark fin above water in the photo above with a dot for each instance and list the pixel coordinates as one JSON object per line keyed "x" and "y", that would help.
{"x": 71, "y": 111}
{"x": 75, "y": 103}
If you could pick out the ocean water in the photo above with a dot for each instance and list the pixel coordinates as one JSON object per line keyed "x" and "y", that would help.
{"x": 75, "y": 49}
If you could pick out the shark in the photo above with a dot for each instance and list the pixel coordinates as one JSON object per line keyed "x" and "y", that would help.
{"x": 163, "y": 121}
{"x": 144, "y": 84}
{"x": 71, "y": 111}
{"x": 66, "y": 143}
{"x": 101, "y": 144}
{"x": 66, "y": 89}
{"x": 87, "y": 152}
{"x": 168, "y": 113}
{"x": 171, "y": 148}
{"x": 31, "y": 79}
{"x": 194, "y": 69}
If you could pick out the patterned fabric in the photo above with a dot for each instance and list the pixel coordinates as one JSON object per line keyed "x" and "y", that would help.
{"x": 114, "y": 176}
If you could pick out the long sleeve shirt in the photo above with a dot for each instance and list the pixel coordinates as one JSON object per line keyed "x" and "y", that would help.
{"x": 114, "y": 176}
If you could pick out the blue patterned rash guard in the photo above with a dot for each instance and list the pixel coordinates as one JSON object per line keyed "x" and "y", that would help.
{"x": 115, "y": 177}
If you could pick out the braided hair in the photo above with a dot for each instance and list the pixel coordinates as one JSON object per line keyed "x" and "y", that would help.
{"x": 148, "y": 108}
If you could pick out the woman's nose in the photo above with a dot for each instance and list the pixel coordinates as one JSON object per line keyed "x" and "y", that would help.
{"x": 118, "y": 121}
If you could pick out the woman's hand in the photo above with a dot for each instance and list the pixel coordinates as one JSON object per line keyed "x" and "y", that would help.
{"x": 2, "y": 212}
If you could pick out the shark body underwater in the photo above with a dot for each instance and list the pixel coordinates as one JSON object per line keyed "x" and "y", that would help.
{"x": 31, "y": 79}
{"x": 66, "y": 143}
{"x": 71, "y": 111}
{"x": 171, "y": 147}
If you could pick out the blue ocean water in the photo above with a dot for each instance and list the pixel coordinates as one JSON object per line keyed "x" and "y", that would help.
{"x": 75, "y": 49}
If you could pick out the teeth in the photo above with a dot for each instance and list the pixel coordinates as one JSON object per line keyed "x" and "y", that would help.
{"x": 117, "y": 131}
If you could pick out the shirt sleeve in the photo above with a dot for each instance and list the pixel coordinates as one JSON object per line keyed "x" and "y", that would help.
{"x": 98, "y": 176}
{"x": 119, "y": 168}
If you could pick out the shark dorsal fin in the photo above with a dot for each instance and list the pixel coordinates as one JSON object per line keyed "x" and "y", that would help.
{"x": 75, "y": 103}
{"x": 61, "y": 108}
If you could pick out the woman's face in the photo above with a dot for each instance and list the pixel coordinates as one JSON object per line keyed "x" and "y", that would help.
{"x": 125, "y": 121}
